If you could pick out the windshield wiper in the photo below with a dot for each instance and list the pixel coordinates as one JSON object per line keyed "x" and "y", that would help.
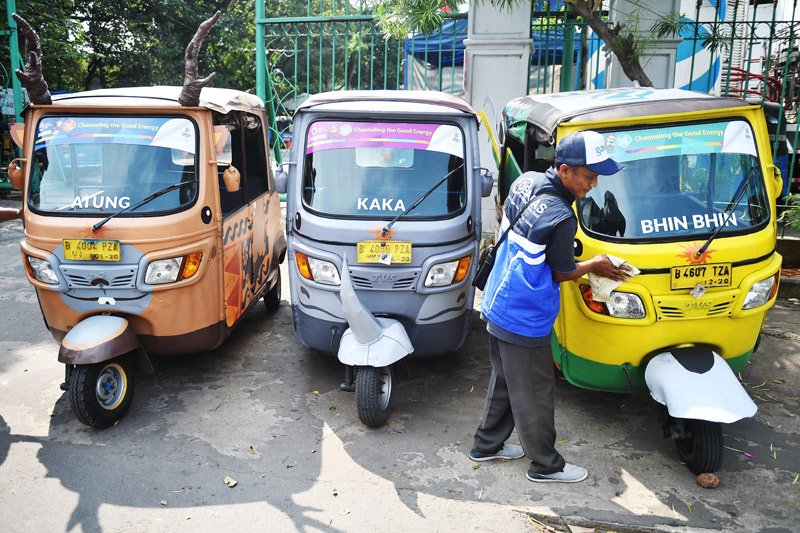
{"x": 728, "y": 210}
{"x": 141, "y": 202}
{"x": 419, "y": 200}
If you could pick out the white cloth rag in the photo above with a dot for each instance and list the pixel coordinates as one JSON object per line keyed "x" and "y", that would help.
{"x": 602, "y": 287}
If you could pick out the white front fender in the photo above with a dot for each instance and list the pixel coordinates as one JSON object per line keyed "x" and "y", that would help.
{"x": 697, "y": 383}
{"x": 369, "y": 341}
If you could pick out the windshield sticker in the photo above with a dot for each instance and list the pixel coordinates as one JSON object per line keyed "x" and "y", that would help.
{"x": 99, "y": 201}
{"x": 334, "y": 135}
{"x": 721, "y": 137}
{"x": 683, "y": 223}
{"x": 177, "y": 133}
{"x": 381, "y": 204}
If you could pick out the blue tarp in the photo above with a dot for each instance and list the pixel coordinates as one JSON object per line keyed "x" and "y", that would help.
{"x": 449, "y": 42}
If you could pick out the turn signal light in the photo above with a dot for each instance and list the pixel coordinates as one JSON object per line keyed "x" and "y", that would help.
{"x": 597, "y": 307}
{"x": 302, "y": 265}
{"x": 191, "y": 264}
{"x": 462, "y": 269}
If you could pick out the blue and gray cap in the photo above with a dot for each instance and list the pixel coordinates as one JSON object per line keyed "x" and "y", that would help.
{"x": 587, "y": 149}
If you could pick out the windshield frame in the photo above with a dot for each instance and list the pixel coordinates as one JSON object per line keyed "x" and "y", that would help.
{"x": 617, "y": 129}
{"x": 120, "y": 114}
{"x": 445, "y": 120}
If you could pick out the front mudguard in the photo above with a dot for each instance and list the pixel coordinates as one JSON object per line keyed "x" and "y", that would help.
{"x": 102, "y": 338}
{"x": 697, "y": 383}
{"x": 390, "y": 346}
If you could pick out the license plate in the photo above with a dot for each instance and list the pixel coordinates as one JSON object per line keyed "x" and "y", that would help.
{"x": 386, "y": 252}
{"x": 709, "y": 276}
{"x": 91, "y": 250}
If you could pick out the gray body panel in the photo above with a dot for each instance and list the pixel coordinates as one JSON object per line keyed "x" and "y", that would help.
{"x": 435, "y": 318}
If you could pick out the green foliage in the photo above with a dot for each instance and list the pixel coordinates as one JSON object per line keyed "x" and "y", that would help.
{"x": 90, "y": 44}
{"x": 791, "y": 217}
{"x": 400, "y": 17}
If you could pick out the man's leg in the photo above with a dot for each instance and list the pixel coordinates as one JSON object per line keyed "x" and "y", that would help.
{"x": 530, "y": 384}
{"x": 497, "y": 422}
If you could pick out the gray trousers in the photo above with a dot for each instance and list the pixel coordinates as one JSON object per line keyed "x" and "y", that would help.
{"x": 521, "y": 394}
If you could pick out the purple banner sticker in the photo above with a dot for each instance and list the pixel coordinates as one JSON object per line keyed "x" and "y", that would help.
{"x": 333, "y": 135}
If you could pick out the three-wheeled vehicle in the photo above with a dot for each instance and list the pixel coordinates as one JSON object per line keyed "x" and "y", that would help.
{"x": 694, "y": 210}
{"x": 151, "y": 226}
{"x": 383, "y": 219}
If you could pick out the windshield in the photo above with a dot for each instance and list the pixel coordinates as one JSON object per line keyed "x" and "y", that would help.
{"x": 678, "y": 182}
{"x": 99, "y": 165}
{"x": 379, "y": 169}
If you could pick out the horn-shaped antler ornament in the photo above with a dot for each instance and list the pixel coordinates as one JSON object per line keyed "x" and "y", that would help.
{"x": 190, "y": 95}
{"x": 32, "y": 78}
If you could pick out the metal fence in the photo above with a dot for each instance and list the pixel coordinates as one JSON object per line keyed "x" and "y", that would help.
{"x": 723, "y": 48}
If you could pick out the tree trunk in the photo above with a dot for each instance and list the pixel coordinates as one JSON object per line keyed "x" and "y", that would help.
{"x": 630, "y": 67}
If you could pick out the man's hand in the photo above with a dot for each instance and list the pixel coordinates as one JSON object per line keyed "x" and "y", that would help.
{"x": 603, "y": 266}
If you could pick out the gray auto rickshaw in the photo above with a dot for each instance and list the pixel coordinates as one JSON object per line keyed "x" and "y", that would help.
{"x": 383, "y": 217}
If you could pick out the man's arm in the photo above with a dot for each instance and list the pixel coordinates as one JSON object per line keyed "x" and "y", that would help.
{"x": 560, "y": 257}
{"x": 599, "y": 264}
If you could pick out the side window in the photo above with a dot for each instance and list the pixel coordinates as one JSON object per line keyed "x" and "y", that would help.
{"x": 232, "y": 201}
{"x": 539, "y": 155}
{"x": 255, "y": 170}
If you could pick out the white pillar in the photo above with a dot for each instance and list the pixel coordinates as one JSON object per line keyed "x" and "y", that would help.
{"x": 496, "y": 64}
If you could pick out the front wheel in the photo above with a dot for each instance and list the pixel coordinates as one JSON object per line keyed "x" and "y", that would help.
{"x": 374, "y": 395}
{"x": 101, "y": 393}
{"x": 699, "y": 445}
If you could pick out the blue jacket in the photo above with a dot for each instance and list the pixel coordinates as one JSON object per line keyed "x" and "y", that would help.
{"x": 520, "y": 295}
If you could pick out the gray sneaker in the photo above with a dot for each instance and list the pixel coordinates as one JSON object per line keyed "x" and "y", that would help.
{"x": 507, "y": 453}
{"x": 570, "y": 474}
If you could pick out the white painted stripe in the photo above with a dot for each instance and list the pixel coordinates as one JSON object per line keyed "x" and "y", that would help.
{"x": 530, "y": 247}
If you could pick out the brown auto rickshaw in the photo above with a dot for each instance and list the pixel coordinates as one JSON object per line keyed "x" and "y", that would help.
{"x": 151, "y": 226}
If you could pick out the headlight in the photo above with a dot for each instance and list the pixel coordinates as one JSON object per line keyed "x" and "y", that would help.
{"x": 41, "y": 270}
{"x": 442, "y": 274}
{"x": 619, "y": 305}
{"x": 172, "y": 269}
{"x": 761, "y": 292}
{"x": 317, "y": 270}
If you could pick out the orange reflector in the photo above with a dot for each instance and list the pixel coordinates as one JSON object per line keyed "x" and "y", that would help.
{"x": 775, "y": 281}
{"x": 462, "y": 269}
{"x": 597, "y": 307}
{"x": 302, "y": 265}
{"x": 191, "y": 264}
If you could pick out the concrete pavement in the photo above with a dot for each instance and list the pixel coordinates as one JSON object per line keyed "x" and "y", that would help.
{"x": 268, "y": 413}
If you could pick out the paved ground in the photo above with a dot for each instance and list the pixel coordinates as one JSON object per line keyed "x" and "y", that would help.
{"x": 269, "y": 413}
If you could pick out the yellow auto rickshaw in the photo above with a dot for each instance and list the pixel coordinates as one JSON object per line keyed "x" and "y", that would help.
{"x": 151, "y": 226}
{"x": 694, "y": 211}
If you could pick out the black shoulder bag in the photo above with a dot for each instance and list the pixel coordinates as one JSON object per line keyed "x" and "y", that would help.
{"x": 487, "y": 260}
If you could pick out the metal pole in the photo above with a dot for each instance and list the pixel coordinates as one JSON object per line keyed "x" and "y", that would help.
{"x": 13, "y": 49}
{"x": 261, "y": 53}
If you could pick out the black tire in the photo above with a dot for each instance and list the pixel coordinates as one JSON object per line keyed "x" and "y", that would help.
{"x": 272, "y": 298}
{"x": 100, "y": 394}
{"x": 701, "y": 445}
{"x": 374, "y": 395}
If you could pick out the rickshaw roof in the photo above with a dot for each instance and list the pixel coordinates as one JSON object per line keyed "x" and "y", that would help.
{"x": 213, "y": 98}
{"x": 547, "y": 111}
{"x": 407, "y": 101}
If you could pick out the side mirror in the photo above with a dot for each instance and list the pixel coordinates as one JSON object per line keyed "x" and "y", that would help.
{"x": 16, "y": 174}
{"x": 487, "y": 182}
{"x": 776, "y": 173}
{"x": 17, "y": 131}
{"x": 232, "y": 179}
{"x": 281, "y": 180}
